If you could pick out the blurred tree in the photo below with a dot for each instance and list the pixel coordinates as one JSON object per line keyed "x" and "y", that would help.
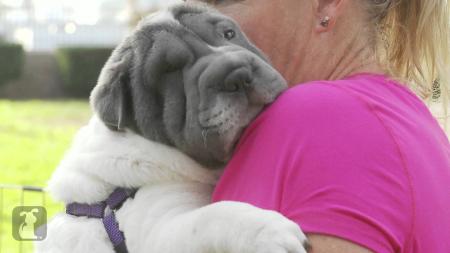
{"x": 11, "y": 69}
{"x": 80, "y": 67}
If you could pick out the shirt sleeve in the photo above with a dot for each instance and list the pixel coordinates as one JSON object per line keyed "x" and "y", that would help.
{"x": 337, "y": 169}
{"x": 347, "y": 178}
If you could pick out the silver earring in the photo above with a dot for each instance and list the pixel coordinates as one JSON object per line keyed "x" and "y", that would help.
{"x": 325, "y": 21}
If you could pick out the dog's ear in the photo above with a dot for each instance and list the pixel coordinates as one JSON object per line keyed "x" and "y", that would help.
{"x": 111, "y": 99}
{"x": 135, "y": 74}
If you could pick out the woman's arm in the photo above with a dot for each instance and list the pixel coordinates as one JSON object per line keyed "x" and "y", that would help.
{"x": 330, "y": 244}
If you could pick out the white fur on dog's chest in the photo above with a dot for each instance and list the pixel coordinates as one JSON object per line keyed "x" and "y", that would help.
{"x": 100, "y": 160}
{"x": 152, "y": 207}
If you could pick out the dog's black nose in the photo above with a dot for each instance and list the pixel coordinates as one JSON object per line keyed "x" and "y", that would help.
{"x": 238, "y": 79}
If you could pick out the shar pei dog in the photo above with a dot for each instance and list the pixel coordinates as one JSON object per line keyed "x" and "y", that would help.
{"x": 169, "y": 106}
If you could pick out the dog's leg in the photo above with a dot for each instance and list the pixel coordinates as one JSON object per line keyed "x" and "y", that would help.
{"x": 227, "y": 227}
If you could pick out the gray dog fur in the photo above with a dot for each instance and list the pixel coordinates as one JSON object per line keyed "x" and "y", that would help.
{"x": 193, "y": 83}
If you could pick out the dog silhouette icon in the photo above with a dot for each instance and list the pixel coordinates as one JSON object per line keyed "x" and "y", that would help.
{"x": 26, "y": 228}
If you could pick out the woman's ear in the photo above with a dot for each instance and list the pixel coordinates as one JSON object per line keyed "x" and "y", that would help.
{"x": 326, "y": 13}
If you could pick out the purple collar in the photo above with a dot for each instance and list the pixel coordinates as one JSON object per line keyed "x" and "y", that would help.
{"x": 105, "y": 210}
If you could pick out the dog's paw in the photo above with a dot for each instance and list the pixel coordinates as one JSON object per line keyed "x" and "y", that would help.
{"x": 275, "y": 234}
{"x": 266, "y": 231}
{"x": 231, "y": 227}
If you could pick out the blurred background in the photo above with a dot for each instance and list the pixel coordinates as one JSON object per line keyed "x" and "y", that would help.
{"x": 51, "y": 52}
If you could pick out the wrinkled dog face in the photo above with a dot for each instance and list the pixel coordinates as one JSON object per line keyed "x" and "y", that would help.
{"x": 189, "y": 78}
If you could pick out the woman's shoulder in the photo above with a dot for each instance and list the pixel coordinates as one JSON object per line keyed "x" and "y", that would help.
{"x": 321, "y": 111}
{"x": 312, "y": 94}
{"x": 316, "y": 100}
{"x": 359, "y": 95}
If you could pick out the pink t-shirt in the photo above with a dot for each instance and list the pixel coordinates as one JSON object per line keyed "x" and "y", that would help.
{"x": 361, "y": 159}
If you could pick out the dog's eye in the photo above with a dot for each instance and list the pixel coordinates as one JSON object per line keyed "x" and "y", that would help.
{"x": 215, "y": 2}
{"x": 231, "y": 87}
{"x": 229, "y": 34}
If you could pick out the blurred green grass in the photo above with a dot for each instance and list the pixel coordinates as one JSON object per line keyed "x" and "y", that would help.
{"x": 33, "y": 138}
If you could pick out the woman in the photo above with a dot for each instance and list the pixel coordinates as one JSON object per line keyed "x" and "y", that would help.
{"x": 352, "y": 155}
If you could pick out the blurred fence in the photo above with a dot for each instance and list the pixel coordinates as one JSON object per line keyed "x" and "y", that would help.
{"x": 16, "y": 196}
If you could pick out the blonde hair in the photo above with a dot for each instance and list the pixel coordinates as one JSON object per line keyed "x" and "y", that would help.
{"x": 414, "y": 44}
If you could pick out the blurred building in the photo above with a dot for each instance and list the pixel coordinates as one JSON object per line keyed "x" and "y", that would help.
{"x": 43, "y": 25}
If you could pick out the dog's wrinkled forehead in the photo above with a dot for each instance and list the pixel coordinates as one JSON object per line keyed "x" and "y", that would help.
{"x": 186, "y": 77}
{"x": 205, "y": 23}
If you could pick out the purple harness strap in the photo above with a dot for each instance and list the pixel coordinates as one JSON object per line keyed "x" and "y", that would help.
{"x": 105, "y": 210}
